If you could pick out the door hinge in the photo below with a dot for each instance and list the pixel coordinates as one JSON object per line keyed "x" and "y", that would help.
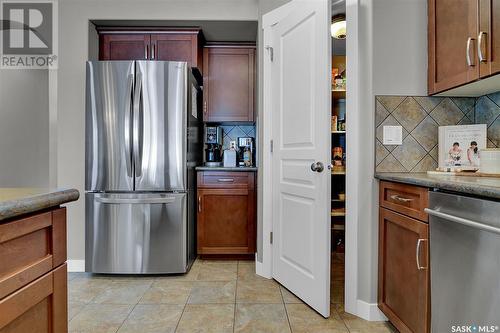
{"x": 271, "y": 237}
{"x": 272, "y": 145}
{"x": 271, "y": 52}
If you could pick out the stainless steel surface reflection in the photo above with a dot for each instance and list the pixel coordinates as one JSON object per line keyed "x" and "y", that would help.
{"x": 143, "y": 142}
{"x": 465, "y": 262}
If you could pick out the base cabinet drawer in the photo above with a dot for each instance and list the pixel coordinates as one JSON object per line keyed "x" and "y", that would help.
{"x": 39, "y": 307}
{"x": 405, "y": 199}
{"x": 403, "y": 271}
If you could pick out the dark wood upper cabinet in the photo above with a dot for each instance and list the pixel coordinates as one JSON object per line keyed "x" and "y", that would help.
{"x": 403, "y": 278}
{"x": 489, "y": 38}
{"x": 452, "y": 38}
{"x": 167, "y": 44}
{"x": 178, "y": 47}
{"x": 124, "y": 46}
{"x": 228, "y": 83}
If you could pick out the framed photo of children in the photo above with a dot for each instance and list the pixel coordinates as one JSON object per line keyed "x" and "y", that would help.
{"x": 459, "y": 146}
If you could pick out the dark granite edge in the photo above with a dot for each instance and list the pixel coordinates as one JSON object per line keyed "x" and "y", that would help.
{"x": 237, "y": 169}
{"x": 30, "y": 204}
{"x": 473, "y": 189}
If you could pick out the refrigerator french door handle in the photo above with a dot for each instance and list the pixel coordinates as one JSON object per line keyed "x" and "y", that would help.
{"x": 136, "y": 201}
{"x": 137, "y": 126}
{"x": 128, "y": 114}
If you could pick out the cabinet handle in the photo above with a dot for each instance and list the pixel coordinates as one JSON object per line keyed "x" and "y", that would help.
{"x": 146, "y": 51}
{"x": 481, "y": 57}
{"x": 225, "y": 180}
{"x": 153, "y": 51}
{"x": 419, "y": 242}
{"x": 398, "y": 198}
{"x": 199, "y": 203}
{"x": 468, "y": 56}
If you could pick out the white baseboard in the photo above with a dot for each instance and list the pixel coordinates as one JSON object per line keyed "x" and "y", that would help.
{"x": 261, "y": 269}
{"x": 76, "y": 266}
{"x": 369, "y": 311}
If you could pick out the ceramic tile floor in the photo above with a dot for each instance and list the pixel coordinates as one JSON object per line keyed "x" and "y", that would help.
{"x": 215, "y": 296}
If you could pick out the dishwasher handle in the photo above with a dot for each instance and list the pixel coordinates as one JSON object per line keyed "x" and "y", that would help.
{"x": 136, "y": 201}
{"x": 461, "y": 220}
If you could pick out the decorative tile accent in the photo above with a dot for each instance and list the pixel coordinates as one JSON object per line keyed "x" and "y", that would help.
{"x": 409, "y": 153}
{"x": 409, "y": 114}
{"x": 447, "y": 113}
{"x": 486, "y": 111}
{"x": 232, "y": 133}
{"x": 420, "y": 117}
{"x": 428, "y": 103}
{"x": 426, "y": 133}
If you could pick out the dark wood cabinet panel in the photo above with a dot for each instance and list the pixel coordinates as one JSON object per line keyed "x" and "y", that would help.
{"x": 130, "y": 46}
{"x": 33, "y": 275}
{"x": 489, "y": 38}
{"x": 452, "y": 38}
{"x": 166, "y": 44}
{"x": 178, "y": 47}
{"x": 403, "y": 271}
{"x": 228, "y": 82}
{"x": 226, "y": 216}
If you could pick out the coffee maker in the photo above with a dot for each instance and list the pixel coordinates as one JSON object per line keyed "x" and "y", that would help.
{"x": 213, "y": 141}
{"x": 246, "y": 156}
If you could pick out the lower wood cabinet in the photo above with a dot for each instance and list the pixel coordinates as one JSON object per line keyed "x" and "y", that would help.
{"x": 403, "y": 271}
{"x": 226, "y": 214}
{"x": 33, "y": 275}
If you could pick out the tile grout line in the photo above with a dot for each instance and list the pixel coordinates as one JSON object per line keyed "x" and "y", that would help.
{"x": 284, "y": 306}
{"x": 187, "y": 301}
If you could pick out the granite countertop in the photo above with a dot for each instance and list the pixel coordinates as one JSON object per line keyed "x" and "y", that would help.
{"x": 480, "y": 186}
{"x": 19, "y": 201}
{"x": 241, "y": 169}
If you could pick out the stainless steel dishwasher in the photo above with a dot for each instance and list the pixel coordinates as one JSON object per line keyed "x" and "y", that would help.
{"x": 465, "y": 263}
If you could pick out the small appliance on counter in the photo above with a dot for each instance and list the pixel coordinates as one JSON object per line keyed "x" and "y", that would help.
{"x": 245, "y": 152}
{"x": 230, "y": 155}
{"x": 213, "y": 141}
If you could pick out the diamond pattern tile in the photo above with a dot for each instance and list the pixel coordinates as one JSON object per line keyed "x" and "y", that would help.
{"x": 380, "y": 113}
{"x": 389, "y": 121}
{"x": 486, "y": 111}
{"x": 380, "y": 153}
{"x": 426, "y": 133}
{"x": 409, "y": 153}
{"x": 494, "y": 132}
{"x": 464, "y": 103}
{"x": 447, "y": 113}
{"x": 409, "y": 114}
{"x": 428, "y": 103}
{"x": 426, "y": 164}
{"x": 390, "y": 102}
{"x": 495, "y": 97}
{"x": 390, "y": 164}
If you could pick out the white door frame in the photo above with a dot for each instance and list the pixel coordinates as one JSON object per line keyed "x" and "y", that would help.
{"x": 352, "y": 304}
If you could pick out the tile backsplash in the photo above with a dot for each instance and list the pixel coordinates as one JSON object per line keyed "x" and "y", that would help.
{"x": 232, "y": 133}
{"x": 420, "y": 118}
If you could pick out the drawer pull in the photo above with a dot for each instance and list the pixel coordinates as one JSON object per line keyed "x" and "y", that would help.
{"x": 398, "y": 198}
{"x": 225, "y": 180}
{"x": 419, "y": 242}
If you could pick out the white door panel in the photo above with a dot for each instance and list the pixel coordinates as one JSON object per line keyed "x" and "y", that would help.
{"x": 300, "y": 75}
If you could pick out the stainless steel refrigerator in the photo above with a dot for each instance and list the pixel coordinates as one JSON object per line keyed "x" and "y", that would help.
{"x": 143, "y": 141}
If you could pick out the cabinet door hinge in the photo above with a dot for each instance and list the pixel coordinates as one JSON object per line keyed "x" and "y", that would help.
{"x": 271, "y": 52}
{"x": 271, "y": 237}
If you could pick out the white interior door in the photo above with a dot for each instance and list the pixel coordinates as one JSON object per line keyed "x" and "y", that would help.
{"x": 301, "y": 92}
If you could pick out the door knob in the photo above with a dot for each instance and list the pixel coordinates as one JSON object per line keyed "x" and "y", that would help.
{"x": 317, "y": 166}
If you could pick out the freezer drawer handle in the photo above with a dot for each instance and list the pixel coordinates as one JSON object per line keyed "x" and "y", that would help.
{"x": 469, "y": 223}
{"x": 165, "y": 200}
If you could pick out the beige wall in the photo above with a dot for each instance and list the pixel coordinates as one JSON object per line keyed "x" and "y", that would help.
{"x": 24, "y": 128}
{"x": 74, "y": 16}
